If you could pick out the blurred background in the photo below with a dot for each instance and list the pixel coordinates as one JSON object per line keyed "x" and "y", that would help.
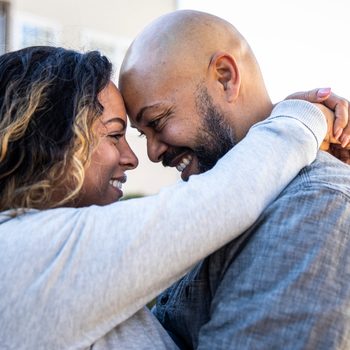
{"x": 300, "y": 44}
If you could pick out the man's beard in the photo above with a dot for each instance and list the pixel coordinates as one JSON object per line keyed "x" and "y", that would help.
{"x": 215, "y": 137}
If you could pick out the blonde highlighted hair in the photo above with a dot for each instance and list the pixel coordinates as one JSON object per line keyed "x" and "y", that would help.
{"x": 48, "y": 104}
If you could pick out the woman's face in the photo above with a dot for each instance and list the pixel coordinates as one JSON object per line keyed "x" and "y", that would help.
{"x": 112, "y": 157}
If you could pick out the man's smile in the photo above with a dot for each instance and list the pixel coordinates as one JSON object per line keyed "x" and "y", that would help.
{"x": 182, "y": 160}
{"x": 186, "y": 160}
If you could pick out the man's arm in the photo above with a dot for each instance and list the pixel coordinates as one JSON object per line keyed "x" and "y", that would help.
{"x": 287, "y": 286}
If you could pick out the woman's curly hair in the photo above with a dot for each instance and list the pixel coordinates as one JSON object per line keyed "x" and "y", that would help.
{"x": 48, "y": 104}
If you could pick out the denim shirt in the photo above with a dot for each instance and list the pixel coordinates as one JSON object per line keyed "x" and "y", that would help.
{"x": 283, "y": 284}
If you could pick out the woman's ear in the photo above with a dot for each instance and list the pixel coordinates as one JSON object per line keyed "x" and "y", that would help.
{"x": 224, "y": 70}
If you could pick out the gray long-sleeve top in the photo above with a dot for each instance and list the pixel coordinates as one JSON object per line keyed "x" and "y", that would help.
{"x": 72, "y": 278}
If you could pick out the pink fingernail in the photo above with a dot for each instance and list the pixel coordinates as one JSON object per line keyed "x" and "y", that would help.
{"x": 323, "y": 92}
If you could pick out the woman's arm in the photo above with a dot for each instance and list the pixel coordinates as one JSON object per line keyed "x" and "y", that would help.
{"x": 139, "y": 247}
{"x": 102, "y": 264}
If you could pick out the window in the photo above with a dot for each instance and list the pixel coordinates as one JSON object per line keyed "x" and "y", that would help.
{"x": 34, "y": 34}
{"x": 4, "y": 7}
{"x": 112, "y": 46}
{"x": 32, "y": 30}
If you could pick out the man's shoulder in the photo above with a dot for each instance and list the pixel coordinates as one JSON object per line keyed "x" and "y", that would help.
{"x": 318, "y": 195}
{"x": 325, "y": 172}
{"x": 312, "y": 212}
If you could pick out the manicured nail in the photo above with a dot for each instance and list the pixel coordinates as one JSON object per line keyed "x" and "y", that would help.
{"x": 337, "y": 133}
{"x": 323, "y": 92}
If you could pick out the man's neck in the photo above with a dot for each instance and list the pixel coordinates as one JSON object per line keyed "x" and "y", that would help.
{"x": 252, "y": 114}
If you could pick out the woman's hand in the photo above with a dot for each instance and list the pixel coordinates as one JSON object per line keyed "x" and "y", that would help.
{"x": 337, "y": 140}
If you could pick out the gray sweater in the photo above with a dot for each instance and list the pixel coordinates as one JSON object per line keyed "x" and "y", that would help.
{"x": 72, "y": 278}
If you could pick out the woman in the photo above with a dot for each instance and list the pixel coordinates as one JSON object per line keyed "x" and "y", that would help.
{"x": 76, "y": 268}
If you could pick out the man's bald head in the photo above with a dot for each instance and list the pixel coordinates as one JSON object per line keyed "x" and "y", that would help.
{"x": 190, "y": 71}
{"x": 185, "y": 38}
{"x": 183, "y": 42}
{"x": 181, "y": 45}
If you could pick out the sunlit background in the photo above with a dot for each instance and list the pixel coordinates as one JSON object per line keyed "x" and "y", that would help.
{"x": 300, "y": 44}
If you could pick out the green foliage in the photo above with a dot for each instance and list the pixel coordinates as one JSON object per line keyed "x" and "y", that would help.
{"x": 132, "y": 195}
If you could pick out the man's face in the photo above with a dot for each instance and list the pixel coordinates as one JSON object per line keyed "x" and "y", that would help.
{"x": 184, "y": 129}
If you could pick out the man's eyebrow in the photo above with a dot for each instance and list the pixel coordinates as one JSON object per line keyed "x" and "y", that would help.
{"x": 116, "y": 119}
{"x": 142, "y": 111}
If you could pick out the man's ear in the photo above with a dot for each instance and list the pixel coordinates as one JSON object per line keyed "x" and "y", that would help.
{"x": 223, "y": 68}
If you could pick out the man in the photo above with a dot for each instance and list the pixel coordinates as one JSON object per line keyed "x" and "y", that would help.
{"x": 192, "y": 85}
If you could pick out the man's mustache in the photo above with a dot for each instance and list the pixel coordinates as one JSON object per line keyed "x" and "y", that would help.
{"x": 172, "y": 153}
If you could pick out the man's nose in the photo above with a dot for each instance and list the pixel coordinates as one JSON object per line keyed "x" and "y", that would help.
{"x": 155, "y": 149}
